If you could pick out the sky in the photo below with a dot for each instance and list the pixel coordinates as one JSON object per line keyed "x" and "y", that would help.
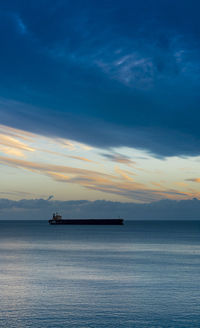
{"x": 99, "y": 100}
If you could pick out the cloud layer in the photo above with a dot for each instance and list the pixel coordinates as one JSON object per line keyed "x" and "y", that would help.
{"x": 41, "y": 209}
{"x": 128, "y": 71}
{"x": 119, "y": 183}
{"x": 41, "y": 165}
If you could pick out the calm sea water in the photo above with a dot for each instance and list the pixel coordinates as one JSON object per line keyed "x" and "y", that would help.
{"x": 142, "y": 274}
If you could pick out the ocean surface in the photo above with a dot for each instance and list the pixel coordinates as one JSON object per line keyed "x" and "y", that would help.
{"x": 142, "y": 274}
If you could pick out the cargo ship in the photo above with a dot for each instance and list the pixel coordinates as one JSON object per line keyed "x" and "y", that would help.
{"x": 57, "y": 219}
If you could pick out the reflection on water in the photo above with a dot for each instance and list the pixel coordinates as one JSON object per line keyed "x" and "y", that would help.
{"x": 143, "y": 274}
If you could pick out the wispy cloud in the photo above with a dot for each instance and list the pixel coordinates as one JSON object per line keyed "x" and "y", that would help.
{"x": 84, "y": 159}
{"x": 124, "y": 174}
{"x": 194, "y": 180}
{"x": 11, "y": 151}
{"x": 118, "y": 158}
{"x": 11, "y": 145}
{"x": 12, "y": 142}
{"x": 124, "y": 82}
{"x": 120, "y": 183}
{"x": 72, "y": 145}
{"x": 17, "y": 142}
{"x": 20, "y": 24}
{"x": 16, "y": 133}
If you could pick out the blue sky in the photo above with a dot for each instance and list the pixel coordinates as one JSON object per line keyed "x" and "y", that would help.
{"x": 119, "y": 77}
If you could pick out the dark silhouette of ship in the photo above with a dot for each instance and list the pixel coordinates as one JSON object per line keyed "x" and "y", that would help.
{"x": 57, "y": 219}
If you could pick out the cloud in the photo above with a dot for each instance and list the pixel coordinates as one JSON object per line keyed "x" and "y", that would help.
{"x": 125, "y": 174}
{"x": 118, "y": 158}
{"x": 12, "y": 142}
{"x": 20, "y": 24}
{"x": 118, "y": 184}
{"x": 50, "y": 197}
{"x": 11, "y": 151}
{"x": 16, "y": 133}
{"x": 17, "y": 193}
{"x": 134, "y": 82}
{"x": 194, "y": 180}
{"x": 42, "y": 209}
{"x": 82, "y": 159}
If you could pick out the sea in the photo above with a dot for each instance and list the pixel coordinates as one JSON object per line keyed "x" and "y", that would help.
{"x": 142, "y": 274}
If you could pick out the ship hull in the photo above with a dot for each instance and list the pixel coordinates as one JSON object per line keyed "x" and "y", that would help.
{"x": 88, "y": 222}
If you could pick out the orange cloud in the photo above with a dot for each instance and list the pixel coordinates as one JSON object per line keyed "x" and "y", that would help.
{"x": 14, "y": 143}
{"x": 11, "y": 151}
{"x": 21, "y": 134}
{"x": 123, "y": 174}
{"x": 194, "y": 180}
{"x": 181, "y": 184}
{"x": 82, "y": 159}
{"x": 120, "y": 184}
